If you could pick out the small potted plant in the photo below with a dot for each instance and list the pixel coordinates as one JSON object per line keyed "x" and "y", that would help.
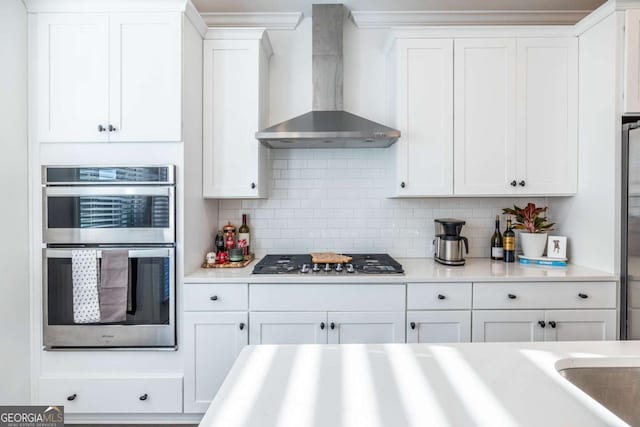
{"x": 533, "y": 225}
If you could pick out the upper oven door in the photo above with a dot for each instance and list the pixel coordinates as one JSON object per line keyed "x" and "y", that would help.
{"x": 108, "y": 214}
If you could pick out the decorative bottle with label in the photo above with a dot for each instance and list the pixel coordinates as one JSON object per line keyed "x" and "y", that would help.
{"x": 244, "y": 236}
{"x": 229, "y": 236}
{"x": 509, "y": 243}
{"x": 496, "y": 242}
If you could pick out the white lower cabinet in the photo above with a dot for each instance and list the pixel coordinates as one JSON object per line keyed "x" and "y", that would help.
{"x": 288, "y": 328}
{"x": 544, "y": 311}
{"x": 439, "y": 326}
{"x": 212, "y": 341}
{"x": 366, "y": 327}
{"x": 539, "y": 325}
{"x": 319, "y": 327}
{"x": 507, "y": 325}
{"x": 580, "y": 325}
{"x": 98, "y": 395}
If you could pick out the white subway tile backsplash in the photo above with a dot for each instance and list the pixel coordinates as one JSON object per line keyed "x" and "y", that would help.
{"x": 336, "y": 199}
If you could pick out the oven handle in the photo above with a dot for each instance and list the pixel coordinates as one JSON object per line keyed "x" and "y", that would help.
{"x": 133, "y": 252}
{"x": 109, "y": 191}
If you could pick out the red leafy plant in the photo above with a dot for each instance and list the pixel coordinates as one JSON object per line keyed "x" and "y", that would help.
{"x": 530, "y": 218}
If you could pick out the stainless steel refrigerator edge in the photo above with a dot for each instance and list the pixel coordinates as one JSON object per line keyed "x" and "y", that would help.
{"x": 630, "y": 230}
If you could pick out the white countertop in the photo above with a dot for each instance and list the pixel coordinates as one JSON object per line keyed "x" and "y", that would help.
{"x": 397, "y": 385}
{"x": 416, "y": 270}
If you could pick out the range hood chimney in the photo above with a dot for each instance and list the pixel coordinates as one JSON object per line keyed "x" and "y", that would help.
{"x": 328, "y": 125}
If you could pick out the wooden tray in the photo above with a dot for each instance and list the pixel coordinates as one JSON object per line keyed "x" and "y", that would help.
{"x": 237, "y": 264}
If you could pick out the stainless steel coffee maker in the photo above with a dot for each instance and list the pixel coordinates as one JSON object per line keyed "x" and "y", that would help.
{"x": 447, "y": 244}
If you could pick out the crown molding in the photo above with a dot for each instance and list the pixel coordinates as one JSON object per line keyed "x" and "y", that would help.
{"x": 493, "y": 31}
{"x": 270, "y": 21}
{"x": 373, "y": 19}
{"x": 603, "y": 12}
{"x": 194, "y": 16}
{"x": 98, "y": 6}
{"x": 475, "y": 31}
{"x": 259, "y": 34}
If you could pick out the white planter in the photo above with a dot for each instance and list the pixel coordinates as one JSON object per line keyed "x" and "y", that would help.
{"x": 533, "y": 244}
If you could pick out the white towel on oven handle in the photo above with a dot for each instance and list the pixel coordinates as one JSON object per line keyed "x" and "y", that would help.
{"x": 84, "y": 269}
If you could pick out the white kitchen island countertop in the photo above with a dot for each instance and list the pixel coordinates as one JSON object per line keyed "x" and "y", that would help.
{"x": 397, "y": 385}
{"x": 416, "y": 270}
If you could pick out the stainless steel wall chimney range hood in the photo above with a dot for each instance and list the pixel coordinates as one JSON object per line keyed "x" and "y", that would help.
{"x": 328, "y": 125}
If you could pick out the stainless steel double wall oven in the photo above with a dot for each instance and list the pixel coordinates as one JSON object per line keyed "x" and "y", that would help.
{"x": 109, "y": 208}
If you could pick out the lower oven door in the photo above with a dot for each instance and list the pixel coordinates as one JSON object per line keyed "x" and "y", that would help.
{"x": 150, "y": 318}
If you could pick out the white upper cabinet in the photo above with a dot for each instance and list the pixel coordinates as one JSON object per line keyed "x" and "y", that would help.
{"x": 421, "y": 95}
{"x": 516, "y": 116}
{"x": 235, "y": 108}
{"x": 108, "y": 77}
{"x": 547, "y": 116}
{"x": 485, "y": 113}
{"x": 145, "y": 86}
{"x": 72, "y": 77}
{"x": 632, "y": 61}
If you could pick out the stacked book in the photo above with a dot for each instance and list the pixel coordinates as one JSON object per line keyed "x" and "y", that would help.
{"x": 546, "y": 261}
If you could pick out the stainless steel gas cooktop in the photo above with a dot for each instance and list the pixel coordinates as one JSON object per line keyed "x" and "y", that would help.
{"x": 301, "y": 264}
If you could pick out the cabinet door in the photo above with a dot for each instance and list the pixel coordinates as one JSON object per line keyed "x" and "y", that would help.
{"x": 507, "y": 325}
{"x": 145, "y": 69}
{"x": 232, "y": 99}
{"x": 547, "y": 116}
{"x": 424, "y": 115}
{"x": 632, "y": 61}
{"x": 484, "y": 108}
{"x": 366, "y": 327}
{"x": 288, "y": 328}
{"x": 580, "y": 325}
{"x": 212, "y": 341}
{"x": 438, "y": 326}
{"x": 72, "y": 77}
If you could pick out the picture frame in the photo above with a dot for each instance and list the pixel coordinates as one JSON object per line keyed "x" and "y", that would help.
{"x": 557, "y": 247}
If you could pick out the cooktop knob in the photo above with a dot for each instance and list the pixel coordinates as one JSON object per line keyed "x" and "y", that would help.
{"x": 304, "y": 268}
{"x": 338, "y": 268}
{"x": 327, "y": 267}
{"x": 350, "y": 268}
{"x": 316, "y": 267}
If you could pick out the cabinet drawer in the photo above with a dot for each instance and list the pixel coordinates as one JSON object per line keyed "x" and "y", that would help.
{"x": 113, "y": 395}
{"x": 301, "y": 297}
{"x": 438, "y": 296}
{"x": 544, "y": 295}
{"x": 210, "y": 297}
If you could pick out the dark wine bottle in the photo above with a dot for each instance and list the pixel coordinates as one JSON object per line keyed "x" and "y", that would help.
{"x": 509, "y": 243}
{"x": 219, "y": 242}
{"x": 244, "y": 236}
{"x": 497, "y": 251}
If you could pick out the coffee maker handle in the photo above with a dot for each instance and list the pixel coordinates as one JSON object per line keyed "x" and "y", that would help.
{"x": 466, "y": 243}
